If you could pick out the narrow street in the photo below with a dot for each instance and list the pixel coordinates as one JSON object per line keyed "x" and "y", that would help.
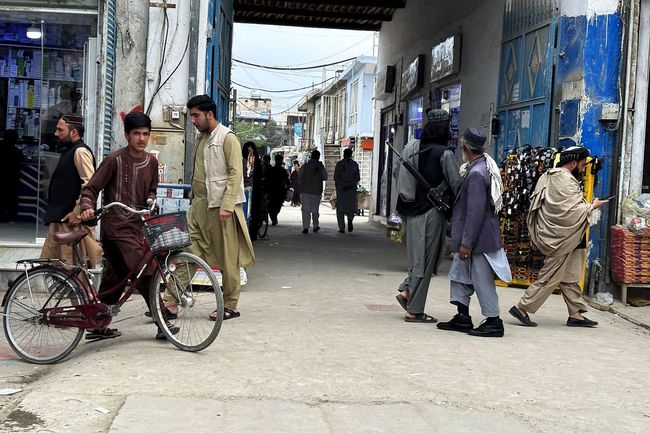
{"x": 321, "y": 347}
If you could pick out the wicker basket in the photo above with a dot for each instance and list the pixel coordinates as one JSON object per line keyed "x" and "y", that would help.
{"x": 167, "y": 232}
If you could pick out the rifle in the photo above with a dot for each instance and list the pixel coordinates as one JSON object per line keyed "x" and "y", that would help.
{"x": 433, "y": 195}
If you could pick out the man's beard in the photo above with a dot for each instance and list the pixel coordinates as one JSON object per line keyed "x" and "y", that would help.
{"x": 577, "y": 174}
{"x": 65, "y": 141}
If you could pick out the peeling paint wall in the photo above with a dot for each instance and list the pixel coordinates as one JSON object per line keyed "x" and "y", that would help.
{"x": 588, "y": 75}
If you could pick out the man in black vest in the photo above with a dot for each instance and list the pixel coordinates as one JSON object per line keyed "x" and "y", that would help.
{"x": 74, "y": 169}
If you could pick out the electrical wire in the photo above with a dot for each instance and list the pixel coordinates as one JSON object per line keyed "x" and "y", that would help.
{"x": 284, "y": 90}
{"x": 305, "y": 68}
{"x": 162, "y": 57}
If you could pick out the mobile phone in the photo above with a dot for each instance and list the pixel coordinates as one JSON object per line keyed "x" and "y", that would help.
{"x": 608, "y": 198}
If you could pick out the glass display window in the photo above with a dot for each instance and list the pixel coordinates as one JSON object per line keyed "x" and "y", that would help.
{"x": 41, "y": 78}
{"x": 415, "y": 111}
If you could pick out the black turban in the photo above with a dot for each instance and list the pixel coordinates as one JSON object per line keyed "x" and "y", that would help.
{"x": 573, "y": 153}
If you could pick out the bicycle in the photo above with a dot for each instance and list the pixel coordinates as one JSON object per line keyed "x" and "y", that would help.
{"x": 49, "y": 306}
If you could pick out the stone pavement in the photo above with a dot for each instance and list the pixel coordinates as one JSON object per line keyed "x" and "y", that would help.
{"x": 321, "y": 347}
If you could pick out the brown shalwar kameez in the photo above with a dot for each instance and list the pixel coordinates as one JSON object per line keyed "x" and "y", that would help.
{"x": 131, "y": 181}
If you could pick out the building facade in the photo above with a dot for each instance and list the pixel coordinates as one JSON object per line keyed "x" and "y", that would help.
{"x": 544, "y": 73}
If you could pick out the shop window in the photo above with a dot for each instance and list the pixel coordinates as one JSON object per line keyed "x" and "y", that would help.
{"x": 450, "y": 101}
{"x": 414, "y": 118}
{"x": 41, "y": 78}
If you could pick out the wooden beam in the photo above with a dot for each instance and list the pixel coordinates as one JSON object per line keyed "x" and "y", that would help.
{"x": 287, "y": 21}
{"x": 311, "y": 13}
{"x": 392, "y": 4}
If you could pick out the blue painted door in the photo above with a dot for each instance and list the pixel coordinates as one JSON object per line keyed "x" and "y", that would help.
{"x": 526, "y": 75}
{"x": 219, "y": 55}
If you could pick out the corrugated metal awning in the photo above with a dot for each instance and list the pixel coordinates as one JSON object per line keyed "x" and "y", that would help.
{"x": 338, "y": 14}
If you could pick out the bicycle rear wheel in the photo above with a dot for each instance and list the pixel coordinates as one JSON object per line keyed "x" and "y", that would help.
{"x": 188, "y": 282}
{"x": 28, "y": 332}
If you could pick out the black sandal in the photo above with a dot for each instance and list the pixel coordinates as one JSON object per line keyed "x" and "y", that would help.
{"x": 102, "y": 334}
{"x": 421, "y": 318}
{"x": 402, "y": 301}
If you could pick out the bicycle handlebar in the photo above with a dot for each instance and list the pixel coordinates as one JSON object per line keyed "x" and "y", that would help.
{"x": 103, "y": 210}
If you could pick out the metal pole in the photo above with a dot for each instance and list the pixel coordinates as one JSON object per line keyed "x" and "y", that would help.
{"x": 234, "y": 109}
{"x": 190, "y": 133}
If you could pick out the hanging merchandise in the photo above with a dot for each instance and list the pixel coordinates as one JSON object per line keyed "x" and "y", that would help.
{"x": 520, "y": 171}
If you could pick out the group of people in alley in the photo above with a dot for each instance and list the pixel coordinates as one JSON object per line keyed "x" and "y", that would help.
{"x": 218, "y": 227}
{"x": 557, "y": 220}
{"x": 224, "y": 173}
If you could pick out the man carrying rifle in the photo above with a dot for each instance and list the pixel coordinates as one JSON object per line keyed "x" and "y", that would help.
{"x": 426, "y": 184}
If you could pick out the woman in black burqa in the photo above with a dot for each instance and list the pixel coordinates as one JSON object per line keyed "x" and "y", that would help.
{"x": 253, "y": 179}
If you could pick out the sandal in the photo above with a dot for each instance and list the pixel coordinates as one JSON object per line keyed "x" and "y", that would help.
{"x": 421, "y": 318}
{"x": 227, "y": 314}
{"x": 102, "y": 334}
{"x": 402, "y": 301}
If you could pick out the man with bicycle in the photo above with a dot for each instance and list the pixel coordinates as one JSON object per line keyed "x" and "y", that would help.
{"x": 130, "y": 176}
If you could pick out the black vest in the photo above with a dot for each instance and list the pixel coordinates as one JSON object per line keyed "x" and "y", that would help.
{"x": 429, "y": 166}
{"x": 65, "y": 185}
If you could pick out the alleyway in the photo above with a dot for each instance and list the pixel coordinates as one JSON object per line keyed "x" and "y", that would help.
{"x": 321, "y": 347}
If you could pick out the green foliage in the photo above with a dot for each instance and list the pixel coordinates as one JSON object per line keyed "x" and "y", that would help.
{"x": 270, "y": 134}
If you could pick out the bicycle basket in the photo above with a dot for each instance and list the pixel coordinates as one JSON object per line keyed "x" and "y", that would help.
{"x": 167, "y": 232}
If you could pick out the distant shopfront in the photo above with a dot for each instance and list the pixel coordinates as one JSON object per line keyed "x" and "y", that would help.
{"x": 48, "y": 57}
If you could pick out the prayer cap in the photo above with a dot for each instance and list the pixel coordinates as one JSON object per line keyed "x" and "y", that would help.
{"x": 438, "y": 115}
{"x": 474, "y": 139}
{"x": 573, "y": 153}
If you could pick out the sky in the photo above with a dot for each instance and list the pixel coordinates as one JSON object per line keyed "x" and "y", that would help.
{"x": 290, "y": 47}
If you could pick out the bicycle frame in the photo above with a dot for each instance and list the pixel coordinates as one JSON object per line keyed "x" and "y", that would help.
{"x": 94, "y": 313}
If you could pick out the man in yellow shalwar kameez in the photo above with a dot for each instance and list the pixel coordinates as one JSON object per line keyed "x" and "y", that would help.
{"x": 216, "y": 219}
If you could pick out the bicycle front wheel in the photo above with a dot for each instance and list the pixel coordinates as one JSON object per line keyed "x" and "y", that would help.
{"x": 27, "y": 330}
{"x": 187, "y": 284}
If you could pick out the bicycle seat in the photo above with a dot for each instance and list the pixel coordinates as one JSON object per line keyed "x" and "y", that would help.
{"x": 67, "y": 238}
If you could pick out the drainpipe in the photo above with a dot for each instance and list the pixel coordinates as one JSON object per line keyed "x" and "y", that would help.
{"x": 628, "y": 106}
{"x": 190, "y": 132}
{"x": 641, "y": 101}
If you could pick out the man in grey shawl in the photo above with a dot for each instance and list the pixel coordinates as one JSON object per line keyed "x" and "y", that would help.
{"x": 346, "y": 178}
{"x": 557, "y": 221}
{"x": 425, "y": 225}
{"x": 479, "y": 257}
{"x": 312, "y": 176}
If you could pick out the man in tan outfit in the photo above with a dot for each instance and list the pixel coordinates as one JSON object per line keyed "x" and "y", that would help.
{"x": 557, "y": 220}
{"x": 216, "y": 219}
{"x": 73, "y": 171}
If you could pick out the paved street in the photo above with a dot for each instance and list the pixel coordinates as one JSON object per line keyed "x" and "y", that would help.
{"x": 321, "y": 347}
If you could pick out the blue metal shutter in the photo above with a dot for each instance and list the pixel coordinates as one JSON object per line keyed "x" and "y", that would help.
{"x": 109, "y": 75}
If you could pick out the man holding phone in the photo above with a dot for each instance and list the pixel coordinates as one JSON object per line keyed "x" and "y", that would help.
{"x": 557, "y": 220}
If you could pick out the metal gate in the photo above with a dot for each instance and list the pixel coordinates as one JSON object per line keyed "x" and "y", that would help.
{"x": 218, "y": 55}
{"x": 526, "y": 74}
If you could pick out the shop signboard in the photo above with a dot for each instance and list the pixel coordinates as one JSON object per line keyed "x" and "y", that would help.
{"x": 74, "y": 4}
{"x": 412, "y": 77}
{"x": 445, "y": 58}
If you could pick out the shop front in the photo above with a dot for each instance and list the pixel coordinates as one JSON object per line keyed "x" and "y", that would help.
{"x": 48, "y": 51}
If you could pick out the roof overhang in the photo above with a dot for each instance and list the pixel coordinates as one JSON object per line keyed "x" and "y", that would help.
{"x": 335, "y": 14}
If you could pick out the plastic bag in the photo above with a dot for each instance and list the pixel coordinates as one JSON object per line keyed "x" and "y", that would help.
{"x": 604, "y": 298}
{"x": 636, "y": 211}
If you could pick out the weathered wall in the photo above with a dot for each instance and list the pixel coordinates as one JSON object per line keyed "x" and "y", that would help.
{"x": 415, "y": 30}
{"x": 588, "y": 75}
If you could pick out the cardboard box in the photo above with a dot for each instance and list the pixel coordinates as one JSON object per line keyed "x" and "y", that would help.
{"x": 177, "y": 192}
{"x": 184, "y": 204}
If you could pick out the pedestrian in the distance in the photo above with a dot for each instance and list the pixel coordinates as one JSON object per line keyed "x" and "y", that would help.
{"x": 253, "y": 181}
{"x": 312, "y": 176}
{"x": 294, "y": 184}
{"x": 277, "y": 184}
{"x": 557, "y": 221}
{"x": 479, "y": 257}
{"x": 346, "y": 179}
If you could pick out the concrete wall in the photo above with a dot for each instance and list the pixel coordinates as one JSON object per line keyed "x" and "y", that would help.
{"x": 140, "y": 39}
{"x": 415, "y": 30}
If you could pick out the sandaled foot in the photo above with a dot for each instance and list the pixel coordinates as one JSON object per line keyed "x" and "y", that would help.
{"x": 402, "y": 301}
{"x": 160, "y": 335}
{"x": 420, "y": 318}
{"x": 102, "y": 334}
{"x": 227, "y": 314}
